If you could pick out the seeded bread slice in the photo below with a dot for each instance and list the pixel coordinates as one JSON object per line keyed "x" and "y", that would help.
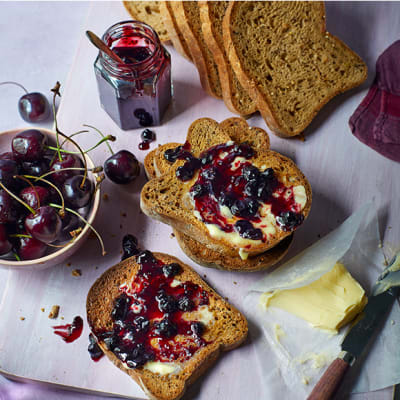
{"x": 235, "y": 96}
{"x": 149, "y": 13}
{"x": 166, "y": 198}
{"x": 156, "y": 165}
{"x": 174, "y": 32}
{"x": 287, "y": 61}
{"x": 187, "y": 16}
{"x": 227, "y": 331}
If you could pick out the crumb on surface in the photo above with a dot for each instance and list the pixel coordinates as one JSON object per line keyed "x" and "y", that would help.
{"x": 42, "y": 309}
{"x": 92, "y": 235}
{"x": 172, "y": 235}
{"x": 234, "y": 282}
{"x": 76, "y": 272}
{"x": 68, "y": 264}
{"x": 392, "y": 321}
{"x": 123, "y": 214}
{"x": 53, "y": 314}
{"x": 205, "y": 276}
{"x": 62, "y": 317}
{"x": 105, "y": 197}
{"x": 96, "y": 267}
{"x": 22, "y": 318}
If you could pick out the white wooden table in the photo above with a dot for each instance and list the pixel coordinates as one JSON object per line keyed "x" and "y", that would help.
{"x": 343, "y": 173}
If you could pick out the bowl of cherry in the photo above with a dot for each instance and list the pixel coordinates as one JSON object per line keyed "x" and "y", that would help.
{"x": 48, "y": 198}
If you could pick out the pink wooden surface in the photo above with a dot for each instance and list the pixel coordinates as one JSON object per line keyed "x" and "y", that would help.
{"x": 343, "y": 173}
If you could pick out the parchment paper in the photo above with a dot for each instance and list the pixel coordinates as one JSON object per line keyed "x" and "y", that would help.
{"x": 302, "y": 353}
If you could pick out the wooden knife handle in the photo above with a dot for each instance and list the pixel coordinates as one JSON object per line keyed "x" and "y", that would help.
{"x": 330, "y": 381}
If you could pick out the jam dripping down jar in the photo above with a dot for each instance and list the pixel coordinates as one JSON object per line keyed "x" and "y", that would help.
{"x": 134, "y": 94}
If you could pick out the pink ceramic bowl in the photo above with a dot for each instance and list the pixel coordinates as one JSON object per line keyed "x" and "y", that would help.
{"x": 54, "y": 256}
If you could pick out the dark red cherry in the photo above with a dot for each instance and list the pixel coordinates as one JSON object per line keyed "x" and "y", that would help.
{"x": 5, "y": 245}
{"x": 31, "y": 195}
{"x": 29, "y": 145}
{"x": 30, "y": 248}
{"x": 8, "y": 169}
{"x": 45, "y": 225}
{"x": 67, "y": 161}
{"x": 122, "y": 167}
{"x": 75, "y": 195}
{"x": 69, "y": 223}
{"x": 8, "y": 208}
{"x": 36, "y": 168}
{"x": 34, "y": 107}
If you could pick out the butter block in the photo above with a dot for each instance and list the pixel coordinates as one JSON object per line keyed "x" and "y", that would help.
{"x": 327, "y": 303}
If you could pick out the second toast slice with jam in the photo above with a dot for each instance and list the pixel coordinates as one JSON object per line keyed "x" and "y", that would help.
{"x": 160, "y": 323}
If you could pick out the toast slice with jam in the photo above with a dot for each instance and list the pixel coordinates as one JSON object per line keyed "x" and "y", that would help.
{"x": 228, "y": 195}
{"x": 156, "y": 165}
{"x": 160, "y": 323}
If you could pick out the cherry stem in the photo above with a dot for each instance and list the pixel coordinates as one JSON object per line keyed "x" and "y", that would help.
{"x": 31, "y": 185}
{"x": 102, "y": 135}
{"x": 109, "y": 137}
{"x": 74, "y": 134}
{"x": 14, "y": 83}
{"x": 20, "y": 235}
{"x": 86, "y": 222}
{"x": 18, "y": 199}
{"x": 56, "y": 91}
{"x": 62, "y": 211}
{"x": 16, "y": 256}
{"x": 95, "y": 170}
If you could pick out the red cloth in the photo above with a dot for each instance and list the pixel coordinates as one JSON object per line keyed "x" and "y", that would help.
{"x": 376, "y": 121}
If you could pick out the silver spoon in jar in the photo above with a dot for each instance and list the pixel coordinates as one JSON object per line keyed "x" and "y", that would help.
{"x": 97, "y": 42}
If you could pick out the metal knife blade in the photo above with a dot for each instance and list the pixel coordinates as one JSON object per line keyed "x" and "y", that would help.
{"x": 374, "y": 313}
{"x": 385, "y": 291}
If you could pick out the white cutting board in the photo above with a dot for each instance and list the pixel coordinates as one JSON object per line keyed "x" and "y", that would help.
{"x": 343, "y": 173}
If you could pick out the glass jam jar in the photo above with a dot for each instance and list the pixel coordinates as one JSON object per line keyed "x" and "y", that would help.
{"x": 134, "y": 94}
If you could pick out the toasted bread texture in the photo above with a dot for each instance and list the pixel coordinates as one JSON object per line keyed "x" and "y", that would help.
{"x": 287, "y": 61}
{"x": 166, "y": 198}
{"x": 174, "y": 32}
{"x": 187, "y": 16}
{"x": 156, "y": 165}
{"x": 149, "y": 13}
{"x": 234, "y": 95}
{"x": 227, "y": 330}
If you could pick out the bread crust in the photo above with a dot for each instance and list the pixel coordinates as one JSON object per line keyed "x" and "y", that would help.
{"x": 227, "y": 334}
{"x": 175, "y": 35}
{"x": 197, "y": 51}
{"x": 263, "y": 102}
{"x": 226, "y": 74}
{"x": 165, "y": 198}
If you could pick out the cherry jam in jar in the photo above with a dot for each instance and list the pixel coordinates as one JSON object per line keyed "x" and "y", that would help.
{"x": 134, "y": 94}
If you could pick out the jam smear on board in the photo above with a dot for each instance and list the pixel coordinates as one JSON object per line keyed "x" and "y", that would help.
{"x": 148, "y": 315}
{"x": 227, "y": 178}
{"x": 70, "y": 332}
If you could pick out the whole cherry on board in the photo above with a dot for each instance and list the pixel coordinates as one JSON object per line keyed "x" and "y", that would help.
{"x": 32, "y": 106}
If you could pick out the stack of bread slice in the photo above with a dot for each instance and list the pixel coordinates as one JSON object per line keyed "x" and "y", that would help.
{"x": 167, "y": 198}
{"x": 272, "y": 56}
